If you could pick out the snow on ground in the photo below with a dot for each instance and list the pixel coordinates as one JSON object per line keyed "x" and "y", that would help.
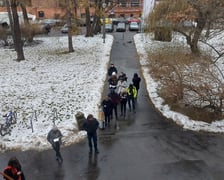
{"x": 51, "y": 79}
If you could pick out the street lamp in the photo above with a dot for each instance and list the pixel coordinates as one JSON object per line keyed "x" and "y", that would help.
{"x": 104, "y": 31}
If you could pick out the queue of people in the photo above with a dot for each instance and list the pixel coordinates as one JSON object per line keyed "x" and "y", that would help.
{"x": 120, "y": 94}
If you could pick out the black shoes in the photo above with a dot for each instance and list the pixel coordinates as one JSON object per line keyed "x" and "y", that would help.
{"x": 59, "y": 159}
{"x": 96, "y": 152}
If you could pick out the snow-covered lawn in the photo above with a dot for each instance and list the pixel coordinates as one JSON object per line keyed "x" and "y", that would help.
{"x": 50, "y": 79}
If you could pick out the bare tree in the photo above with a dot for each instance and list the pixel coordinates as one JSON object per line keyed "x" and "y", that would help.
{"x": 176, "y": 14}
{"x": 69, "y": 23}
{"x": 17, "y": 32}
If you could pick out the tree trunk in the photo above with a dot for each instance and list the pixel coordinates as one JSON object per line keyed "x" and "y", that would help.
{"x": 10, "y": 20}
{"x": 25, "y": 16}
{"x": 97, "y": 25}
{"x": 27, "y": 24}
{"x": 69, "y": 23}
{"x": 17, "y": 32}
{"x": 201, "y": 22}
{"x": 88, "y": 23}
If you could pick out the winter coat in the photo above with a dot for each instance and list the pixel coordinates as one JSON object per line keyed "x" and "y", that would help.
{"x": 107, "y": 106}
{"x": 120, "y": 85}
{"x": 136, "y": 81}
{"x": 123, "y": 96}
{"x": 131, "y": 91}
{"x": 53, "y": 134}
{"x": 91, "y": 125}
{"x": 111, "y": 70}
{"x": 11, "y": 172}
{"x": 113, "y": 82}
{"x": 115, "y": 98}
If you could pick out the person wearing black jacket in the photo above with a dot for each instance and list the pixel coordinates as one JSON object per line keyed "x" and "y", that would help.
{"x": 111, "y": 69}
{"x": 136, "y": 82}
{"x": 123, "y": 101}
{"x": 54, "y": 138}
{"x": 107, "y": 106}
{"x": 90, "y": 126}
{"x": 115, "y": 98}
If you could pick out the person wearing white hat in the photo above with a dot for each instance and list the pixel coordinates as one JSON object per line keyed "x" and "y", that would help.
{"x": 112, "y": 69}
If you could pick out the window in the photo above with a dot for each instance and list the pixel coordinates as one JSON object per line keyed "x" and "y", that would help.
{"x": 122, "y": 3}
{"x": 135, "y": 3}
{"x": 41, "y": 14}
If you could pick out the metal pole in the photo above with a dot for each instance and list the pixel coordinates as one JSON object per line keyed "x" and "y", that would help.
{"x": 104, "y": 32}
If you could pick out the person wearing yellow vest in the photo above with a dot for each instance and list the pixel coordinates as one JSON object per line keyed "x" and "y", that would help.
{"x": 132, "y": 94}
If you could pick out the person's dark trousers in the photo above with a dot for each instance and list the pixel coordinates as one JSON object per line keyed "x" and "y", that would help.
{"x": 115, "y": 111}
{"x": 131, "y": 102}
{"x": 92, "y": 137}
{"x": 137, "y": 94}
{"x": 123, "y": 108}
{"x": 57, "y": 150}
{"x": 107, "y": 119}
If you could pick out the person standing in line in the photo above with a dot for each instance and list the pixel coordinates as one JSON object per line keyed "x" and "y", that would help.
{"x": 54, "y": 138}
{"x": 111, "y": 69}
{"x": 107, "y": 106}
{"x": 122, "y": 76}
{"x": 122, "y": 82}
{"x": 113, "y": 80}
{"x": 123, "y": 101}
{"x": 132, "y": 94}
{"x": 136, "y": 82}
{"x": 13, "y": 170}
{"x": 90, "y": 126}
{"x": 115, "y": 98}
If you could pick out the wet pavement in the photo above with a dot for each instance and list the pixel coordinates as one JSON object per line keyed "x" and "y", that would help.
{"x": 144, "y": 146}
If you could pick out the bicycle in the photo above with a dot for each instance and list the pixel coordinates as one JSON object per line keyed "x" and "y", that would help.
{"x": 10, "y": 118}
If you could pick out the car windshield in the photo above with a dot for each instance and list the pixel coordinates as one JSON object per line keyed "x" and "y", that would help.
{"x": 121, "y": 25}
{"x": 134, "y": 23}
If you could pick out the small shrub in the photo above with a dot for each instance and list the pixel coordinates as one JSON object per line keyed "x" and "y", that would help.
{"x": 4, "y": 35}
{"x": 163, "y": 34}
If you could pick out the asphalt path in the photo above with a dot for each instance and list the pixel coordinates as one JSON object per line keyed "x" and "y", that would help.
{"x": 145, "y": 145}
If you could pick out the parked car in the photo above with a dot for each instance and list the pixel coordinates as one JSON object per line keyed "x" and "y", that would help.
{"x": 132, "y": 19}
{"x": 121, "y": 27}
{"x": 51, "y": 22}
{"x": 133, "y": 26}
{"x": 64, "y": 29}
{"x": 109, "y": 27}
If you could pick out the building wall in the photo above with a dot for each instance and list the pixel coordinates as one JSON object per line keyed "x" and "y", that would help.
{"x": 54, "y": 9}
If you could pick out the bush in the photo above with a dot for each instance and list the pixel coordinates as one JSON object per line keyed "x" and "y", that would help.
{"x": 189, "y": 84}
{"x": 163, "y": 34}
{"x": 4, "y": 35}
{"x": 31, "y": 30}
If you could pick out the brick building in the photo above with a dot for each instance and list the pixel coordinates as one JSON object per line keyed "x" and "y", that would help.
{"x": 54, "y": 8}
